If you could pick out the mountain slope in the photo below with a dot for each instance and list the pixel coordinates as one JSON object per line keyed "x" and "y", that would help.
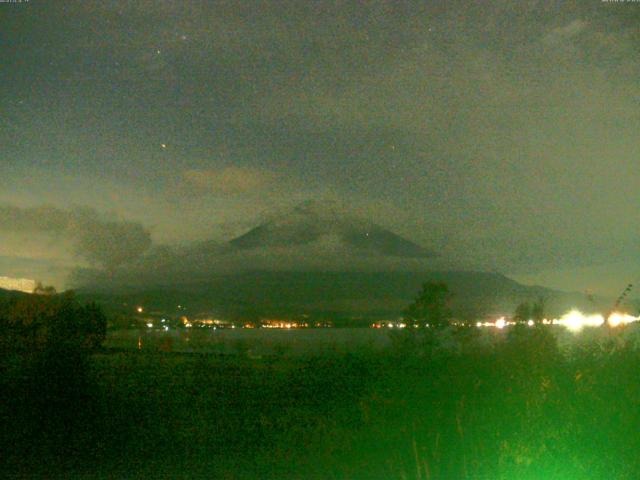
{"x": 365, "y": 294}
{"x": 315, "y": 222}
{"x": 314, "y": 259}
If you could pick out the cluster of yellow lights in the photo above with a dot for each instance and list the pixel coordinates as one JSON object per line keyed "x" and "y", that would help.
{"x": 616, "y": 319}
{"x": 574, "y": 320}
{"x": 390, "y": 325}
{"x": 283, "y": 324}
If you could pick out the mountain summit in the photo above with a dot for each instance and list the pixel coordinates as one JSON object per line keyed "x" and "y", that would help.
{"x": 320, "y": 223}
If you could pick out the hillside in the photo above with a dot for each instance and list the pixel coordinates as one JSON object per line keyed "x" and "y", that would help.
{"x": 314, "y": 259}
{"x": 350, "y": 294}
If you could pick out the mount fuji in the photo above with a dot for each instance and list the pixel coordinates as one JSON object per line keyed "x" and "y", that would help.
{"x": 326, "y": 225}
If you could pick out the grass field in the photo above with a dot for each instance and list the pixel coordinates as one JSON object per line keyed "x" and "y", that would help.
{"x": 519, "y": 409}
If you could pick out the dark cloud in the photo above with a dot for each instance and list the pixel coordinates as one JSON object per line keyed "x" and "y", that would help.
{"x": 104, "y": 242}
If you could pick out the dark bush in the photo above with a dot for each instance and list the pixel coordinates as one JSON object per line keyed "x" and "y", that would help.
{"x": 42, "y": 322}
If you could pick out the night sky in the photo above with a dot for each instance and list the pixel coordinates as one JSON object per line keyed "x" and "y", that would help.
{"x": 505, "y": 134}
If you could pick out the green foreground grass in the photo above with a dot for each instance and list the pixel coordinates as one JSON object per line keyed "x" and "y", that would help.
{"x": 517, "y": 410}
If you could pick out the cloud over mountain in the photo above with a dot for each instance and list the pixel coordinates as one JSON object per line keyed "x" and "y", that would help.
{"x": 102, "y": 241}
{"x": 326, "y": 223}
{"x": 312, "y": 236}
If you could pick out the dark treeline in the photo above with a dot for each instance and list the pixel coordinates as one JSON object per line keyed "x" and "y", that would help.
{"x": 48, "y": 321}
{"x": 439, "y": 404}
{"x": 48, "y": 391}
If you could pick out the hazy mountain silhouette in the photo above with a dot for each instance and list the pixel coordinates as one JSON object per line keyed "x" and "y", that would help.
{"x": 315, "y": 258}
{"x": 325, "y": 223}
{"x": 335, "y": 294}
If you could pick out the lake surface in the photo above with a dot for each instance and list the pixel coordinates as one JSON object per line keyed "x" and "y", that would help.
{"x": 258, "y": 342}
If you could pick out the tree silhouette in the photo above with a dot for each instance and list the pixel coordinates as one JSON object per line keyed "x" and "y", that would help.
{"x": 46, "y": 321}
{"x": 523, "y": 312}
{"x": 431, "y": 306}
{"x": 526, "y": 311}
{"x": 40, "y": 289}
{"x": 537, "y": 310}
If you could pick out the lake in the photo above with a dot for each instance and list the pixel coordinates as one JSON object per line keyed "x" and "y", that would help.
{"x": 264, "y": 341}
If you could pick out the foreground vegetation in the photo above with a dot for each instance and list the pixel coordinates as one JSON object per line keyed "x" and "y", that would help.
{"x": 518, "y": 409}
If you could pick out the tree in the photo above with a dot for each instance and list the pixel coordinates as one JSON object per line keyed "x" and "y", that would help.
{"x": 431, "y": 306}
{"x": 526, "y": 311}
{"x": 40, "y": 289}
{"x": 44, "y": 322}
{"x": 537, "y": 310}
{"x": 523, "y": 312}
